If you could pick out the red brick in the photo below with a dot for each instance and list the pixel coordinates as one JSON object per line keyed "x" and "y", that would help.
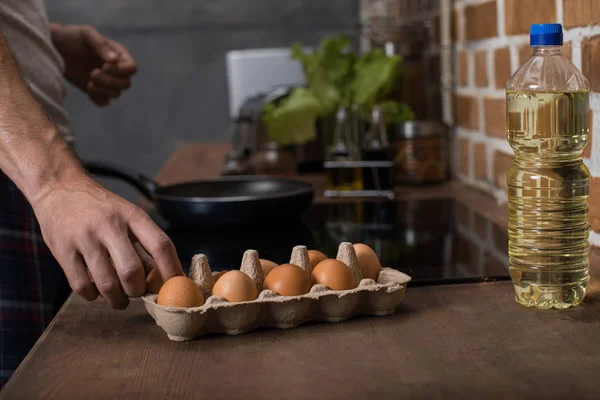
{"x": 495, "y": 117}
{"x": 480, "y": 158}
{"x": 520, "y": 14}
{"x": 463, "y": 156}
{"x": 501, "y": 67}
{"x": 467, "y": 112}
{"x": 590, "y": 59}
{"x": 580, "y": 13}
{"x": 480, "y": 21}
{"x": 481, "y": 69}
{"x": 456, "y": 20}
{"x": 567, "y": 50}
{"x": 502, "y": 162}
{"x": 463, "y": 68}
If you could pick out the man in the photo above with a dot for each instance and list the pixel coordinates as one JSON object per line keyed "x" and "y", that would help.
{"x": 97, "y": 237}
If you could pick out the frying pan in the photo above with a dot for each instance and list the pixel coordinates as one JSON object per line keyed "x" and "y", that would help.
{"x": 234, "y": 200}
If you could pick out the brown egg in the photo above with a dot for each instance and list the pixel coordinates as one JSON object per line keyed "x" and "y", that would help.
{"x": 267, "y": 266}
{"x": 315, "y": 257}
{"x": 367, "y": 261}
{"x": 235, "y": 286}
{"x": 153, "y": 281}
{"x": 218, "y": 275}
{"x": 288, "y": 280}
{"x": 180, "y": 291}
{"x": 334, "y": 274}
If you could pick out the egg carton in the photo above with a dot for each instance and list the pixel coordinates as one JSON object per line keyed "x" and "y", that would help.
{"x": 271, "y": 310}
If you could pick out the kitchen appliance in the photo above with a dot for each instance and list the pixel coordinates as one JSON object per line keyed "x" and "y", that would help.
{"x": 435, "y": 241}
{"x": 247, "y": 133}
{"x": 248, "y": 200}
{"x": 255, "y": 78}
{"x": 254, "y": 71}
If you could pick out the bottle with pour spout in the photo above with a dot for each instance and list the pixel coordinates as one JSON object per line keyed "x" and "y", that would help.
{"x": 376, "y": 147}
{"x": 547, "y": 103}
{"x": 343, "y": 149}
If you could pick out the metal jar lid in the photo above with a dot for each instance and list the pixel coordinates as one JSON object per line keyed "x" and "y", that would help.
{"x": 419, "y": 129}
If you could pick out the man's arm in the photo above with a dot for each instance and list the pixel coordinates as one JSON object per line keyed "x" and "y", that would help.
{"x": 32, "y": 152}
{"x": 89, "y": 230}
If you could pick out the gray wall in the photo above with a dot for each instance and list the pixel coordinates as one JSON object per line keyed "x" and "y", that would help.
{"x": 180, "y": 92}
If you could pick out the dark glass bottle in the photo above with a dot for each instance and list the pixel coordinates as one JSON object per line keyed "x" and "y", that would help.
{"x": 343, "y": 149}
{"x": 376, "y": 147}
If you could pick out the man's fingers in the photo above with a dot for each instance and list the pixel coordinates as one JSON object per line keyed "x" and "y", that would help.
{"x": 100, "y": 99}
{"x": 124, "y": 65}
{"x": 101, "y": 45}
{"x": 107, "y": 81}
{"x": 92, "y": 88}
{"x": 157, "y": 243}
{"x": 76, "y": 273}
{"x": 145, "y": 258}
{"x": 105, "y": 277}
{"x": 127, "y": 263}
{"x": 121, "y": 69}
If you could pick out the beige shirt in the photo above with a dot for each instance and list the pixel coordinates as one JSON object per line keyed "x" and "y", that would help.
{"x": 25, "y": 25}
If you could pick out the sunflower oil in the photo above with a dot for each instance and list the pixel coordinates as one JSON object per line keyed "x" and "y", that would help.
{"x": 547, "y": 104}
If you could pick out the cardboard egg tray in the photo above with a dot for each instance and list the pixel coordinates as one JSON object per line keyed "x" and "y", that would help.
{"x": 371, "y": 297}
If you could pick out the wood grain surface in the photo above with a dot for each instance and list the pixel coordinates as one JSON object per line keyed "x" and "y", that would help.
{"x": 466, "y": 341}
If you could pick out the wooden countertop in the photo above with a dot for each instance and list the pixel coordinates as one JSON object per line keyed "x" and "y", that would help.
{"x": 467, "y": 341}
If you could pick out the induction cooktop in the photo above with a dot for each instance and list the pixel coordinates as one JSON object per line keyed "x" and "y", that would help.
{"x": 435, "y": 241}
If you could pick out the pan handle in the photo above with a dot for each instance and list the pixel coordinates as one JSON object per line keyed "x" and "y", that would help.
{"x": 142, "y": 183}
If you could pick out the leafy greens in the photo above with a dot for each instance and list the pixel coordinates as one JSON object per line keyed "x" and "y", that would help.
{"x": 335, "y": 77}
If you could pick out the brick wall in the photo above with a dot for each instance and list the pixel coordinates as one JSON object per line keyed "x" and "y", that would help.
{"x": 491, "y": 42}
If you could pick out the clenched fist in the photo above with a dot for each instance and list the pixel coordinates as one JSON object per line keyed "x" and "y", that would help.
{"x": 95, "y": 64}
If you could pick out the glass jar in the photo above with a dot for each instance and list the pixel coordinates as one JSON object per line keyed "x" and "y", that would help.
{"x": 421, "y": 152}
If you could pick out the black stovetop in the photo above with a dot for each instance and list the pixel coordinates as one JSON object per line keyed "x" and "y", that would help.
{"x": 434, "y": 241}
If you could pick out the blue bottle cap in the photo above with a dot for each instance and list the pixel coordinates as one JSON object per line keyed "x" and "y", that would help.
{"x": 546, "y": 35}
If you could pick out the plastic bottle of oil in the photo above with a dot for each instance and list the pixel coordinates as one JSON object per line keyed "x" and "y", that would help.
{"x": 548, "y": 184}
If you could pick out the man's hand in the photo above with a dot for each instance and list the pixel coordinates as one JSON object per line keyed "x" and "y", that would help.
{"x": 95, "y": 236}
{"x": 97, "y": 65}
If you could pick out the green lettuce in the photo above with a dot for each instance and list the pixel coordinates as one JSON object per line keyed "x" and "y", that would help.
{"x": 292, "y": 122}
{"x": 335, "y": 77}
{"x": 328, "y": 70}
{"x": 375, "y": 76}
{"x": 395, "y": 112}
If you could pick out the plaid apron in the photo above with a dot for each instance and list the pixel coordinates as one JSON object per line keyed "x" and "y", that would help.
{"x": 32, "y": 284}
